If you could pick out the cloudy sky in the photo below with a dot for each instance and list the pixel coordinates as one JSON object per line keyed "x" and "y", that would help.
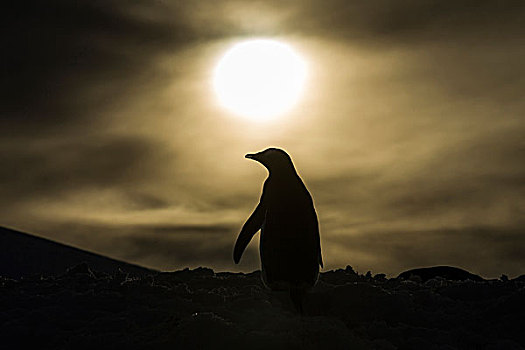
{"x": 409, "y": 133}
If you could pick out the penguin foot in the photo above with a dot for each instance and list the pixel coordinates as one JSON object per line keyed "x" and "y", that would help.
{"x": 297, "y": 295}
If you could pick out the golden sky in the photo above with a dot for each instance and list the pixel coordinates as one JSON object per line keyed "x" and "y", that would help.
{"x": 409, "y": 134}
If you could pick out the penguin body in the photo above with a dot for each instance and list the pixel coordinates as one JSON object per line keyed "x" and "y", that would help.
{"x": 290, "y": 247}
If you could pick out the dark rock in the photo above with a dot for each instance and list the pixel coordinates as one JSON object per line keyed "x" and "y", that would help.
{"x": 446, "y": 272}
{"x": 80, "y": 269}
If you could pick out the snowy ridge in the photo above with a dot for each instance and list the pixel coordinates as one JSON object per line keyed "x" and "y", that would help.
{"x": 22, "y": 254}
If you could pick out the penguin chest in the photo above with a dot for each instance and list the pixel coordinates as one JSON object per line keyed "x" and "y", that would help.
{"x": 287, "y": 249}
{"x": 280, "y": 235}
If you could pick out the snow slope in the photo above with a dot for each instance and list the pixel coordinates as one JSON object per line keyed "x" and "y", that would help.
{"x": 22, "y": 254}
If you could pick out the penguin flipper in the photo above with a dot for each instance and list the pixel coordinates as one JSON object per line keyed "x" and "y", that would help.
{"x": 250, "y": 228}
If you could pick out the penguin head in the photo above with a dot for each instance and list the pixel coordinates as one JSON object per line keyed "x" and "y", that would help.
{"x": 274, "y": 159}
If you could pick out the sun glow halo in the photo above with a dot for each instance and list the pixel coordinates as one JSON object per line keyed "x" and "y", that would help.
{"x": 259, "y": 79}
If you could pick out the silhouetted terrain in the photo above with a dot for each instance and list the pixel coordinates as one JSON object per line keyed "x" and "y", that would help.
{"x": 22, "y": 254}
{"x": 83, "y": 308}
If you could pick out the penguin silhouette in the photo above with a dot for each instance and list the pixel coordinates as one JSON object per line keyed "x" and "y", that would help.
{"x": 290, "y": 247}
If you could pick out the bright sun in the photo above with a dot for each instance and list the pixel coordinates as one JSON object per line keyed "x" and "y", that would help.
{"x": 259, "y": 79}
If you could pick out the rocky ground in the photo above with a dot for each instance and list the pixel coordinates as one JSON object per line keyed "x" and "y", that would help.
{"x": 200, "y": 309}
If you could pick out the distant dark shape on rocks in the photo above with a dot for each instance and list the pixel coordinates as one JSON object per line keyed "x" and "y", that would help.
{"x": 520, "y": 278}
{"x": 446, "y": 272}
{"x": 290, "y": 245}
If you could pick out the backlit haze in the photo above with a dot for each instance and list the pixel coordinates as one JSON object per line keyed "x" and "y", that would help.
{"x": 407, "y": 130}
{"x": 260, "y": 79}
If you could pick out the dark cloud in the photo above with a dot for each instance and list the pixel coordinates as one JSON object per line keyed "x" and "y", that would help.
{"x": 211, "y": 230}
{"x": 461, "y": 178}
{"x": 411, "y": 19}
{"x": 40, "y": 171}
{"x": 188, "y": 246}
{"x": 65, "y": 61}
